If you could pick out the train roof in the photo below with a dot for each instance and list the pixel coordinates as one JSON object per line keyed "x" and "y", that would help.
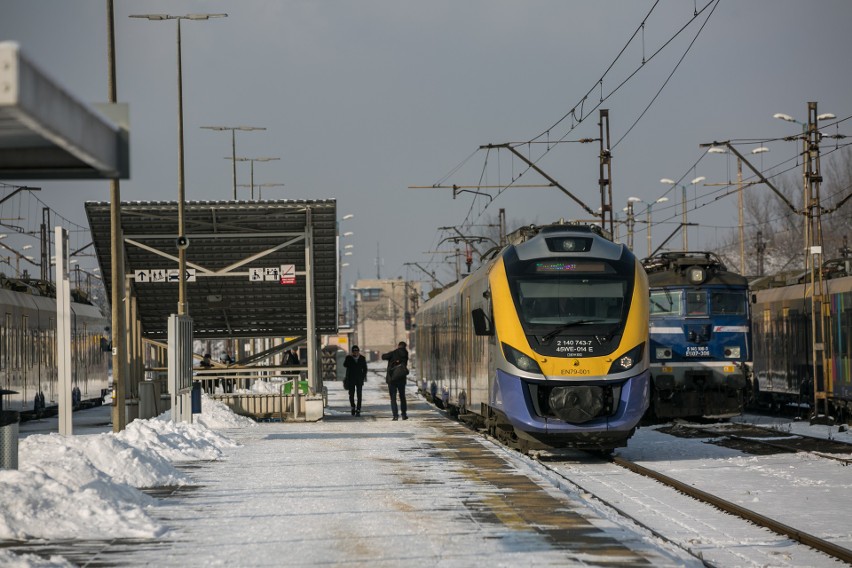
{"x": 690, "y": 268}
{"x": 833, "y": 268}
{"x": 37, "y": 287}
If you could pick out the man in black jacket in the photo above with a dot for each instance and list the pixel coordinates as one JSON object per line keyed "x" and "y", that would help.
{"x": 396, "y": 374}
{"x": 356, "y": 374}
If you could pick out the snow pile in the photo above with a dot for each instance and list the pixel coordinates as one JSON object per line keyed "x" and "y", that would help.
{"x": 87, "y": 487}
{"x": 217, "y": 416}
{"x": 9, "y": 559}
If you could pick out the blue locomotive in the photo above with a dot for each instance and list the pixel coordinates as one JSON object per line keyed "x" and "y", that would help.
{"x": 700, "y": 334}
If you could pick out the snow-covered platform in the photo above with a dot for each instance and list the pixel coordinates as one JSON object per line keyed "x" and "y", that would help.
{"x": 347, "y": 490}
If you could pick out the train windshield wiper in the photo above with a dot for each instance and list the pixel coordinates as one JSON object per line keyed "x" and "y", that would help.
{"x": 562, "y": 327}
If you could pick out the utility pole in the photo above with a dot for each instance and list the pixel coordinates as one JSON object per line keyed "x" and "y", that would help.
{"x": 821, "y": 348}
{"x": 761, "y": 250}
{"x": 811, "y": 211}
{"x": 502, "y": 217}
{"x": 630, "y": 222}
{"x": 605, "y": 179}
{"x": 740, "y": 207}
{"x": 117, "y": 289}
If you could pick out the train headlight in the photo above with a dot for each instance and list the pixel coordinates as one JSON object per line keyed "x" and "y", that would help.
{"x": 628, "y": 360}
{"x": 732, "y": 352}
{"x": 521, "y": 361}
{"x": 697, "y": 275}
{"x": 664, "y": 352}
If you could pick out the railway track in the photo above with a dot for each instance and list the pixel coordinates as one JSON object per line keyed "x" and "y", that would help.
{"x": 835, "y": 551}
{"x": 760, "y": 440}
{"x": 777, "y": 527}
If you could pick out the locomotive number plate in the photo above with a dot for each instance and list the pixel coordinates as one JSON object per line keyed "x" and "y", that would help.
{"x": 697, "y": 351}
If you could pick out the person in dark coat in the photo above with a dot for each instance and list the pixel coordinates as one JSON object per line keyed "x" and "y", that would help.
{"x": 292, "y": 357}
{"x": 356, "y": 375}
{"x": 397, "y": 358}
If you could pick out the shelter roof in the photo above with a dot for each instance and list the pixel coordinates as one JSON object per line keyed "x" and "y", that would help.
{"x": 231, "y": 246}
{"x": 46, "y": 133}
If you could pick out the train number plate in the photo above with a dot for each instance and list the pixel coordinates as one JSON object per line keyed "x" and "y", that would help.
{"x": 697, "y": 351}
{"x": 575, "y": 347}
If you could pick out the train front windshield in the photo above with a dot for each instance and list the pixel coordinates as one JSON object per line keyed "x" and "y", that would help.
{"x": 587, "y": 293}
{"x": 699, "y": 303}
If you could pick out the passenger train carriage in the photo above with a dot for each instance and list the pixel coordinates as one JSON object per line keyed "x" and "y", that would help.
{"x": 28, "y": 363}
{"x": 546, "y": 344}
{"x": 700, "y": 337}
{"x": 783, "y": 352}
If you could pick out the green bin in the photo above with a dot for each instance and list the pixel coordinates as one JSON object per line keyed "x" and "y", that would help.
{"x": 287, "y": 388}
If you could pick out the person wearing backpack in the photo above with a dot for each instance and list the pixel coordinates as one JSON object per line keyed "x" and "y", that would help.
{"x": 396, "y": 378}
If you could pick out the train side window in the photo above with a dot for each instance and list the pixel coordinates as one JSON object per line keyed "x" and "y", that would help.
{"x": 481, "y": 323}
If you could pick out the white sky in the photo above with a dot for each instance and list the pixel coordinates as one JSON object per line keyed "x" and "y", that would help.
{"x": 383, "y": 493}
{"x": 363, "y": 99}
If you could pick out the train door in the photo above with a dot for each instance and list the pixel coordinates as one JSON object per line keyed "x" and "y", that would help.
{"x": 5, "y": 350}
{"x": 468, "y": 349}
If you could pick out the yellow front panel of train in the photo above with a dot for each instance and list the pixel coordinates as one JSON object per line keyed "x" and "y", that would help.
{"x": 509, "y": 329}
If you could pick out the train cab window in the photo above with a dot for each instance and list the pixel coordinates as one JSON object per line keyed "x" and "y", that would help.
{"x": 696, "y": 303}
{"x": 557, "y": 302}
{"x": 665, "y": 303}
{"x": 728, "y": 303}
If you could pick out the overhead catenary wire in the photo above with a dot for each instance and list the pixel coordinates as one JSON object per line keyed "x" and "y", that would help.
{"x": 604, "y": 96}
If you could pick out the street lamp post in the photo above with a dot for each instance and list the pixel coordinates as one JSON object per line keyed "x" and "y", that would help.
{"x": 648, "y": 220}
{"x": 233, "y": 130}
{"x": 668, "y": 181}
{"x": 260, "y": 187}
{"x": 740, "y": 205}
{"x": 182, "y": 240}
{"x": 252, "y": 160}
{"x": 348, "y": 252}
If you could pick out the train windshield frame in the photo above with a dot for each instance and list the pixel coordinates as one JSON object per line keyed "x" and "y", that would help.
{"x": 550, "y": 292}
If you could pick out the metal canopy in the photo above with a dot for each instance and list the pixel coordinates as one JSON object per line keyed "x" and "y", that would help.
{"x": 229, "y": 243}
{"x": 46, "y": 133}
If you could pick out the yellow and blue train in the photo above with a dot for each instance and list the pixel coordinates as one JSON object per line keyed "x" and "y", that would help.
{"x": 546, "y": 344}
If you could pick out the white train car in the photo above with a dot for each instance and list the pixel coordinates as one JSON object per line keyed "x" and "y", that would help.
{"x": 28, "y": 366}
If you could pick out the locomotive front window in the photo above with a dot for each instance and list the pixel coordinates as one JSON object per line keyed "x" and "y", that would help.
{"x": 728, "y": 303}
{"x": 665, "y": 303}
{"x": 696, "y": 303}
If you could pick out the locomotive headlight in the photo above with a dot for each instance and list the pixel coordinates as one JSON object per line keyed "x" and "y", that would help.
{"x": 732, "y": 352}
{"x": 664, "y": 353}
{"x": 628, "y": 360}
{"x": 696, "y": 275}
{"x": 521, "y": 361}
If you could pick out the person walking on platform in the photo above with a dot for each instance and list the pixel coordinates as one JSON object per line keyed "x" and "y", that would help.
{"x": 396, "y": 375}
{"x": 292, "y": 357}
{"x": 356, "y": 376}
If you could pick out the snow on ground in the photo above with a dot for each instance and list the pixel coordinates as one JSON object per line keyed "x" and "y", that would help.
{"x": 87, "y": 486}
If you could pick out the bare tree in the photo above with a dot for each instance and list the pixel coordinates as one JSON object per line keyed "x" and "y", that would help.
{"x": 782, "y": 230}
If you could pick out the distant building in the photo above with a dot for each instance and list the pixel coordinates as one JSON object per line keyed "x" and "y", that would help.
{"x": 384, "y": 313}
